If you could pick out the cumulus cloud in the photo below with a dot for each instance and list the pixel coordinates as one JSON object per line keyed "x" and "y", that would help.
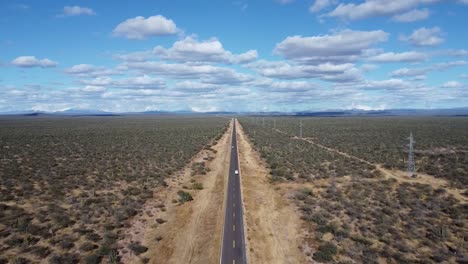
{"x": 425, "y": 37}
{"x": 340, "y": 46}
{"x": 206, "y": 73}
{"x": 77, "y": 11}
{"x": 392, "y": 57}
{"x": 390, "y": 84}
{"x": 452, "y": 84}
{"x": 374, "y": 8}
{"x": 405, "y": 72}
{"x": 191, "y": 49}
{"x": 412, "y": 16}
{"x": 135, "y": 56}
{"x": 271, "y": 85}
{"x": 194, "y": 87}
{"x": 321, "y": 4}
{"x": 32, "y": 61}
{"x": 93, "y": 89}
{"x": 453, "y": 53}
{"x": 415, "y": 72}
{"x": 138, "y": 82}
{"x": 142, "y": 28}
{"x": 88, "y": 70}
{"x": 326, "y": 71}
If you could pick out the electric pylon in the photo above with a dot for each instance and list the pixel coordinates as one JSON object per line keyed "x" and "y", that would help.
{"x": 411, "y": 163}
{"x": 300, "y": 128}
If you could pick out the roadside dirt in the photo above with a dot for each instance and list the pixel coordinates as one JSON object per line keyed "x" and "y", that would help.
{"x": 190, "y": 232}
{"x": 273, "y": 226}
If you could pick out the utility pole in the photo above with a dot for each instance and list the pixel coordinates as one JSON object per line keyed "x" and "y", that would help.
{"x": 263, "y": 121}
{"x": 411, "y": 163}
{"x": 300, "y": 129}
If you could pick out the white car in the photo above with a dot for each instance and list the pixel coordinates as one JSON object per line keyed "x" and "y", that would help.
{"x": 236, "y": 172}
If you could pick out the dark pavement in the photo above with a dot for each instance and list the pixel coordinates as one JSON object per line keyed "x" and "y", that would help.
{"x": 233, "y": 248}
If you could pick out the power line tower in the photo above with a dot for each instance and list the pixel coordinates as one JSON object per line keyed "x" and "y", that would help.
{"x": 300, "y": 128}
{"x": 411, "y": 163}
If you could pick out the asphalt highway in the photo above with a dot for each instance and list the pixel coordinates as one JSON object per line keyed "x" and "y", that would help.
{"x": 233, "y": 242}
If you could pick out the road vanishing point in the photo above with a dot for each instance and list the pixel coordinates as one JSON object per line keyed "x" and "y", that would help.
{"x": 233, "y": 242}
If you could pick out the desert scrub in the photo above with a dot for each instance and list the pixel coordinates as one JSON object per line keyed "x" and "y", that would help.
{"x": 137, "y": 248}
{"x": 197, "y": 186}
{"x": 184, "y": 196}
{"x": 81, "y": 179}
{"x": 325, "y": 252}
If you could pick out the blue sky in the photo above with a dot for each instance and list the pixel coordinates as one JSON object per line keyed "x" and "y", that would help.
{"x": 283, "y": 55}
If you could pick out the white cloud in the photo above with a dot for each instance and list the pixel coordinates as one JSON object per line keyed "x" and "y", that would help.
{"x": 31, "y": 61}
{"x": 207, "y": 73}
{"x": 191, "y": 86}
{"x": 88, "y": 70}
{"x": 452, "y": 84}
{"x": 340, "y": 46}
{"x": 325, "y": 71}
{"x": 77, "y": 11}
{"x": 390, "y": 84}
{"x": 192, "y": 50}
{"x": 448, "y": 65}
{"x": 142, "y": 28}
{"x": 392, "y": 57}
{"x": 374, "y": 8}
{"x": 270, "y": 85}
{"x": 405, "y": 72}
{"x": 81, "y": 69}
{"x": 413, "y": 15}
{"x": 420, "y": 72}
{"x": 369, "y": 67}
{"x": 138, "y": 82}
{"x": 425, "y": 37}
{"x": 321, "y": 4}
{"x": 366, "y": 107}
{"x": 135, "y": 56}
{"x": 93, "y": 89}
{"x": 453, "y": 53}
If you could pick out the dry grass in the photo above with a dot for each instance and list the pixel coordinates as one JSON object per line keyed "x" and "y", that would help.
{"x": 273, "y": 226}
{"x": 192, "y": 233}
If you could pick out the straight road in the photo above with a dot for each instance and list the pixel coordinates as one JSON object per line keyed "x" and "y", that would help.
{"x": 233, "y": 242}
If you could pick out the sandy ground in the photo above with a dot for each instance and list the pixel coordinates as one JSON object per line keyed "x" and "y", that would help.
{"x": 272, "y": 223}
{"x": 193, "y": 231}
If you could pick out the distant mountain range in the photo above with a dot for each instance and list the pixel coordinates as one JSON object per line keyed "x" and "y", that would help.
{"x": 463, "y": 111}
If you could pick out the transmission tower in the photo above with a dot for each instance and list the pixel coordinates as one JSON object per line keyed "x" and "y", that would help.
{"x": 300, "y": 128}
{"x": 411, "y": 163}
